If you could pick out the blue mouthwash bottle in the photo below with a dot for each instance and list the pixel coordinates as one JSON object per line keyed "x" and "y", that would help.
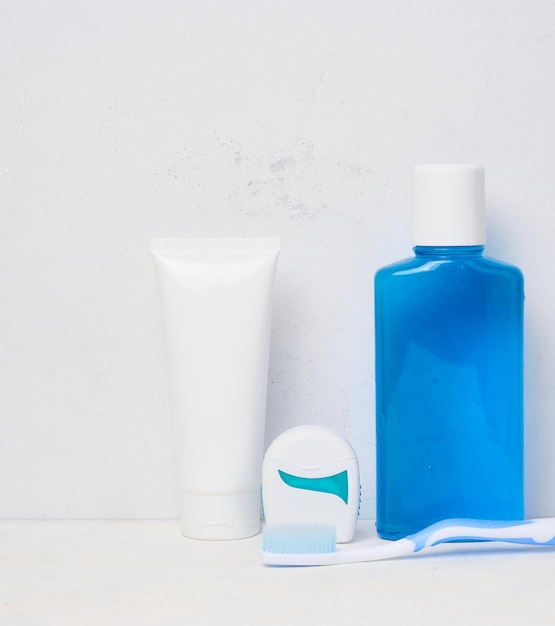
{"x": 449, "y": 334}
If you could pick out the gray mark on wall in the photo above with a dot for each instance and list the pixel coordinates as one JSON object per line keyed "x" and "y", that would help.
{"x": 282, "y": 164}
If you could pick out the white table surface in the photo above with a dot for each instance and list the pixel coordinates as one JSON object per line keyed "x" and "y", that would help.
{"x": 98, "y": 572}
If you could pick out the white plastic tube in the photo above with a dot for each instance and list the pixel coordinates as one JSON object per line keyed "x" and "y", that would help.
{"x": 216, "y": 297}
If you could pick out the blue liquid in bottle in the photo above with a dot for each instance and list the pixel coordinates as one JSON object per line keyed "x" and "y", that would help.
{"x": 449, "y": 399}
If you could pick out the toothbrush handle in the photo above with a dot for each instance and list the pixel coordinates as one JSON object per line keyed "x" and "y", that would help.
{"x": 535, "y": 532}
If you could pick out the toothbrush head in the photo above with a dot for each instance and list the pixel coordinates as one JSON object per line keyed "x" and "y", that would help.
{"x": 297, "y": 539}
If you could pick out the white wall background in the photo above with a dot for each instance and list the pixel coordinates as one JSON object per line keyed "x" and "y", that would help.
{"x": 126, "y": 119}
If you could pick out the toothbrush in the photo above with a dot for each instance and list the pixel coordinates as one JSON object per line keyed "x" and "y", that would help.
{"x": 292, "y": 545}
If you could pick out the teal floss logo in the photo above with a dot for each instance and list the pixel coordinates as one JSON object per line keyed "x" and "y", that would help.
{"x": 337, "y": 485}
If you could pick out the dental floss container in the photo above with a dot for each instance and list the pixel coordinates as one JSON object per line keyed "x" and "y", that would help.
{"x": 310, "y": 476}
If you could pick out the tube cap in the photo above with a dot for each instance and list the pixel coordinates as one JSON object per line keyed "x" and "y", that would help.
{"x": 230, "y": 516}
{"x": 448, "y": 205}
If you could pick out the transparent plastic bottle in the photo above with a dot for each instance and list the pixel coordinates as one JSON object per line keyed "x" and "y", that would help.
{"x": 449, "y": 363}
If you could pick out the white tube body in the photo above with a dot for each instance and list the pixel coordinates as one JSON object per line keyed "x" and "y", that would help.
{"x": 216, "y": 297}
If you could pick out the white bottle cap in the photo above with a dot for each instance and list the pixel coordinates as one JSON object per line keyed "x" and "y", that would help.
{"x": 220, "y": 517}
{"x": 448, "y": 205}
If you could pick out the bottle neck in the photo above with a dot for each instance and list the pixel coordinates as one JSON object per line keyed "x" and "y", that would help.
{"x": 448, "y": 251}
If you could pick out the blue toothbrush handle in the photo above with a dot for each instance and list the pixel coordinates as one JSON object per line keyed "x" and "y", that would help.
{"x": 316, "y": 545}
{"x": 535, "y": 532}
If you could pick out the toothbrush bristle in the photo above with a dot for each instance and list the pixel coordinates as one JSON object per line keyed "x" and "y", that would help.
{"x": 299, "y": 539}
